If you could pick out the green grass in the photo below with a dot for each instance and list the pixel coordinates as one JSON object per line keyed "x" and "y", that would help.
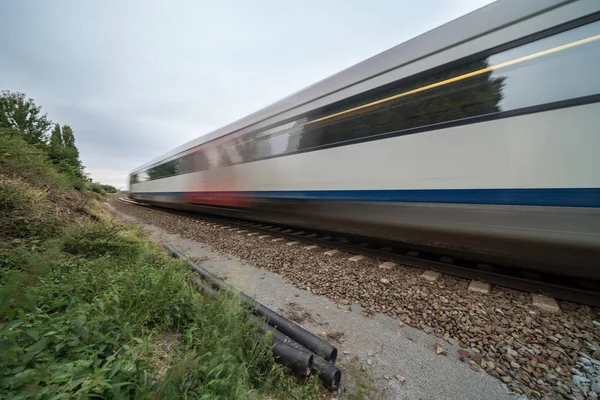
{"x": 92, "y": 309}
{"x": 80, "y": 316}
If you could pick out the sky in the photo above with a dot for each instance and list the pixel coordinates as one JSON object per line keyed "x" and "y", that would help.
{"x": 136, "y": 78}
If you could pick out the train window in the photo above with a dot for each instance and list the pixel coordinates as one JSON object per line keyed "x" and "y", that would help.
{"x": 142, "y": 176}
{"x": 164, "y": 170}
{"x": 263, "y": 147}
{"x": 537, "y": 73}
{"x": 185, "y": 164}
{"x": 213, "y": 157}
{"x": 200, "y": 160}
{"x": 569, "y": 70}
{"x": 247, "y": 147}
{"x": 233, "y": 152}
{"x": 258, "y": 145}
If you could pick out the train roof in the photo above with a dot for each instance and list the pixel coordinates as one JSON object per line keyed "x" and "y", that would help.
{"x": 474, "y": 24}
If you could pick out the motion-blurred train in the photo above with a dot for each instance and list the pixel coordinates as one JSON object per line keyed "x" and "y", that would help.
{"x": 481, "y": 136}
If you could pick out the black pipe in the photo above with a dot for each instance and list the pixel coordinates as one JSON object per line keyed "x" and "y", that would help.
{"x": 329, "y": 374}
{"x": 205, "y": 289}
{"x": 299, "y": 360}
{"x": 315, "y": 344}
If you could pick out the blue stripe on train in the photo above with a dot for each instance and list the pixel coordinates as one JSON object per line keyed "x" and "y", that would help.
{"x": 570, "y": 197}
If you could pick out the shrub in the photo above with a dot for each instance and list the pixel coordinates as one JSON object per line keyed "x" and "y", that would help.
{"x": 96, "y": 188}
{"x": 11, "y": 199}
{"x": 78, "y": 184}
{"x": 29, "y": 162}
{"x": 109, "y": 189}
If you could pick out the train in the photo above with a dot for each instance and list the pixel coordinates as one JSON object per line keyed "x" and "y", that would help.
{"x": 480, "y": 139}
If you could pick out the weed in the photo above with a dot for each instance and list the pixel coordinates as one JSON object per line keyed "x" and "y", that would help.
{"x": 102, "y": 239}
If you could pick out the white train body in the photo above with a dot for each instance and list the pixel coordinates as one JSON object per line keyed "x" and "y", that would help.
{"x": 481, "y": 136}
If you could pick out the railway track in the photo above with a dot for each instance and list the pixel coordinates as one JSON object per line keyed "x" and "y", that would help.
{"x": 562, "y": 287}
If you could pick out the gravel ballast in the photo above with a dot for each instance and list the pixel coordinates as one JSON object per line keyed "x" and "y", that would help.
{"x": 536, "y": 354}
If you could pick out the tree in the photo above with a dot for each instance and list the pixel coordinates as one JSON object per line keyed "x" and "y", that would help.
{"x": 63, "y": 153}
{"x": 109, "y": 189}
{"x": 21, "y": 113}
{"x": 71, "y": 151}
{"x": 56, "y": 145}
{"x": 20, "y": 116}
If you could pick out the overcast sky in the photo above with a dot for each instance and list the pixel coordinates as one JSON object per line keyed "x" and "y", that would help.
{"x": 137, "y": 78}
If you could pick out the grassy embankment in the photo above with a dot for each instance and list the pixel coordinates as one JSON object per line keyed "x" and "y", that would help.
{"x": 91, "y": 308}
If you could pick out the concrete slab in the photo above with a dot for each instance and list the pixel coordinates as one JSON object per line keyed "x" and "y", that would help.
{"x": 479, "y": 287}
{"x": 277, "y": 239}
{"x": 356, "y": 258}
{"x": 331, "y": 252}
{"x": 545, "y": 303}
{"x": 252, "y": 234}
{"x": 311, "y": 247}
{"x": 292, "y": 243}
{"x": 431, "y": 276}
